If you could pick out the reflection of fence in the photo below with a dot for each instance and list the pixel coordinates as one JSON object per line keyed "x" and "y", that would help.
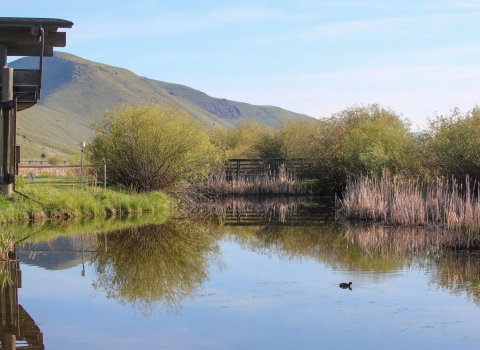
{"x": 298, "y": 167}
{"x": 63, "y": 170}
{"x": 269, "y": 211}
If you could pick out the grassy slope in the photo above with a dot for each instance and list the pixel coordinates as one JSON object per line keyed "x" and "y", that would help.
{"x": 76, "y": 92}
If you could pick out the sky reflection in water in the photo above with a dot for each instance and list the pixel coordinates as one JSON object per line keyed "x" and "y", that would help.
{"x": 240, "y": 287}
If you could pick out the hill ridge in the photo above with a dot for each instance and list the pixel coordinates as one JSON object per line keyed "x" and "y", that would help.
{"x": 76, "y": 92}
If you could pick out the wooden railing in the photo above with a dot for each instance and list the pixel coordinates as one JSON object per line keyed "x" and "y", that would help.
{"x": 298, "y": 167}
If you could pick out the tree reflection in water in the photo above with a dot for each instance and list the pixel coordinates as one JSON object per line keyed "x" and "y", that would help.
{"x": 155, "y": 263}
{"x": 364, "y": 247}
{"x": 456, "y": 271}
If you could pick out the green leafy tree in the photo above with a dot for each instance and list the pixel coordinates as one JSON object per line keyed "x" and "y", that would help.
{"x": 269, "y": 143}
{"x": 320, "y": 142}
{"x": 151, "y": 147}
{"x": 241, "y": 141}
{"x": 453, "y": 144}
{"x": 376, "y": 139}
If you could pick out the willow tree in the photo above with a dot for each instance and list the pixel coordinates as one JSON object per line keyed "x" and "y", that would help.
{"x": 151, "y": 147}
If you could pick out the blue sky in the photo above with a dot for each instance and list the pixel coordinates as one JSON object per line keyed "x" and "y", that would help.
{"x": 313, "y": 57}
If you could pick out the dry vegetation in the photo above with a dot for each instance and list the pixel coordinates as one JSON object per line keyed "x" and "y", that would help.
{"x": 283, "y": 183}
{"x": 450, "y": 207}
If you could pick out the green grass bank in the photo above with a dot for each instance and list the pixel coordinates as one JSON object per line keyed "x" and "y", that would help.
{"x": 74, "y": 203}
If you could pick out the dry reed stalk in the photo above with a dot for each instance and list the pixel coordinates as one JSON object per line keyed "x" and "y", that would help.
{"x": 408, "y": 203}
{"x": 268, "y": 183}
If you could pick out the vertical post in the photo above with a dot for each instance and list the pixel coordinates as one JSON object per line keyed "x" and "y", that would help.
{"x": 10, "y": 341}
{"x": 82, "y": 145}
{"x": 81, "y": 167}
{"x": 7, "y": 138}
{"x": 3, "y": 56}
{"x": 104, "y": 176}
{"x": 17, "y": 158}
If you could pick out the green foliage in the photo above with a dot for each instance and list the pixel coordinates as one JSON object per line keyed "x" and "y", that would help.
{"x": 376, "y": 139}
{"x": 360, "y": 139}
{"x": 151, "y": 147}
{"x": 245, "y": 140}
{"x": 269, "y": 144}
{"x": 452, "y": 144}
{"x": 320, "y": 142}
{"x": 54, "y": 160}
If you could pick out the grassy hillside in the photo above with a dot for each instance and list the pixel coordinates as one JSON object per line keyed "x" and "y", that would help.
{"x": 76, "y": 92}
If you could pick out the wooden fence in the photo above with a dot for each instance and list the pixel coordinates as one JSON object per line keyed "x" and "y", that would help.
{"x": 298, "y": 167}
{"x": 61, "y": 170}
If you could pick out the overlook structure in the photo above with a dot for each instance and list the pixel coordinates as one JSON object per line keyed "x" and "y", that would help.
{"x": 20, "y": 89}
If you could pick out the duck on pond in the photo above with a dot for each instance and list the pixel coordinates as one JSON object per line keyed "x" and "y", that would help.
{"x": 346, "y": 285}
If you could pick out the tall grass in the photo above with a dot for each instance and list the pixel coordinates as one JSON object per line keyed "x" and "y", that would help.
{"x": 69, "y": 203}
{"x": 268, "y": 183}
{"x": 444, "y": 205}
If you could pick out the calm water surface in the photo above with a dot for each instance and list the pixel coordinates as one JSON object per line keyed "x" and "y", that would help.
{"x": 266, "y": 279}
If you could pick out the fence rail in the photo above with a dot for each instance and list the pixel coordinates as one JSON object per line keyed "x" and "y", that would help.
{"x": 39, "y": 162}
{"x": 104, "y": 166}
{"x": 299, "y": 167}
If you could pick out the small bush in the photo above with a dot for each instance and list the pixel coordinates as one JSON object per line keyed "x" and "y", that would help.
{"x": 55, "y": 160}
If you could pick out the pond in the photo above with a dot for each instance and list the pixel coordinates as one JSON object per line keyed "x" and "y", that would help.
{"x": 267, "y": 277}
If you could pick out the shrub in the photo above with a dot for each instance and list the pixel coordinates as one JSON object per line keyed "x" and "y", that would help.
{"x": 453, "y": 143}
{"x": 247, "y": 140}
{"x": 55, "y": 160}
{"x": 376, "y": 139}
{"x": 151, "y": 147}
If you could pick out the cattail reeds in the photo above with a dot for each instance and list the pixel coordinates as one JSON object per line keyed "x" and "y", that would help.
{"x": 449, "y": 206}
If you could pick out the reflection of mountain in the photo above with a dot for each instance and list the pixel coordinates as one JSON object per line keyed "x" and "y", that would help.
{"x": 60, "y": 254}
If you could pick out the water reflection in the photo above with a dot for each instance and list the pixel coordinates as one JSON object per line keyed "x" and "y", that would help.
{"x": 144, "y": 266}
{"x": 17, "y": 328}
{"x": 456, "y": 271}
{"x": 154, "y": 263}
{"x": 61, "y": 253}
{"x": 268, "y": 211}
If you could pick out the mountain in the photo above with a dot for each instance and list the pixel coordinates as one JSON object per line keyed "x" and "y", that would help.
{"x": 75, "y": 92}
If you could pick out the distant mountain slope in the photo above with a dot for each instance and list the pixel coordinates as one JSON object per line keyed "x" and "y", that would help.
{"x": 76, "y": 92}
